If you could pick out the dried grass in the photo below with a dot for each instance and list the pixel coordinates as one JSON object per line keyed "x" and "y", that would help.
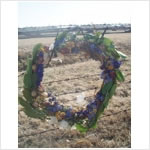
{"x": 112, "y": 131}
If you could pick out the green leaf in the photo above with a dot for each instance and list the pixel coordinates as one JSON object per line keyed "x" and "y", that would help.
{"x": 97, "y": 36}
{"x": 112, "y": 91}
{"x": 102, "y": 106}
{"x": 61, "y": 35}
{"x": 110, "y": 48}
{"x": 28, "y": 75}
{"x": 107, "y": 87}
{"x": 29, "y": 66}
{"x": 89, "y": 37}
{"x": 100, "y": 110}
{"x": 115, "y": 54}
{"x": 92, "y": 124}
{"x": 27, "y": 95}
{"x": 107, "y": 42}
{"x": 23, "y": 102}
{"x": 34, "y": 80}
{"x": 27, "y": 81}
{"x": 81, "y": 128}
{"x": 106, "y": 101}
{"x": 122, "y": 55}
{"x": 99, "y": 41}
{"x": 35, "y": 51}
{"x": 119, "y": 76}
{"x": 30, "y": 111}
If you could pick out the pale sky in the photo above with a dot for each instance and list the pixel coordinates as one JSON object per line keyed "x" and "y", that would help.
{"x": 72, "y": 12}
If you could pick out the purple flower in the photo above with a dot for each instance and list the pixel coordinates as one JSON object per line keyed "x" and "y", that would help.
{"x": 99, "y": 96}
{"x": 107, "y": 79}
{"x": 80, "y": 113}
{"x": 85, "y": 112}
{"x": 102, "y": 75}
{"x": 39, "y": 72}
{"x": 59, "y": 107}
{"x": 116, "y": 64}
{"x": 94, "y": 104}
{"x": 41, "y": 54}
{"x": 103, "y": 66}
{"x": 75, "y": 50}
{"x": 92, "y": 46}
{"x": 49, "y": 108}
{"x": 68, "y": 114}
{"x": 54, "y": 109}
{"x": 91, "y": 106}
{"x": 59, "y": 42}
{"x": 91, "y": 116}
{"x": 95, "y": 49}
{"x": 99, "y": 51}
{"x": 40, "y": 67}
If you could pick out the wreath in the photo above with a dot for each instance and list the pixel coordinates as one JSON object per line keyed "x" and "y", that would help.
{"x": 37, "y": 103}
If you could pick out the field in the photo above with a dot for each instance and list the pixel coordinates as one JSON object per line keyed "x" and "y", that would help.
{"x": 113, "y": 128}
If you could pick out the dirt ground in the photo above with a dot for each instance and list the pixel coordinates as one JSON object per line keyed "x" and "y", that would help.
{"x": 114, "y": 126}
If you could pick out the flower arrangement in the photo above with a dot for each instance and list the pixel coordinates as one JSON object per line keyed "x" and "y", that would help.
{"x": 38, "y": 103}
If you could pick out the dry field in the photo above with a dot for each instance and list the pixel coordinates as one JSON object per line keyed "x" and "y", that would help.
{"x": 113, "y": 128}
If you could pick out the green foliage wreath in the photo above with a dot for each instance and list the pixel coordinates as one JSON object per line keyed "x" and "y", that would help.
{"x": 39, "y": 104}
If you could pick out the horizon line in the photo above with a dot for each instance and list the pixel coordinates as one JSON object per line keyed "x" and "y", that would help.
{"x": 74, "y": 24}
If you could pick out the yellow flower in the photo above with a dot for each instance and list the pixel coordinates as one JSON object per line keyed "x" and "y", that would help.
{"x": 110, "y": 67}
{"x": 60, "y": 115}
{"x": 42, "y": 48}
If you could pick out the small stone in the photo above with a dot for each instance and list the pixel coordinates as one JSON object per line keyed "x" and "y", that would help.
{"x": 34, "y": 68}
{"x": 45, "y": 94}
{"x": 22, "y": 114}
{"x": 34, "y": 93}
{"x": 64, "y": 125}
{"x": 80, "y": 99}
{"x": 35, "y": 104}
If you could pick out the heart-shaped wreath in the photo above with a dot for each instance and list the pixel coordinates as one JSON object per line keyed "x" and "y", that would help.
{"x": 40, "y": 104}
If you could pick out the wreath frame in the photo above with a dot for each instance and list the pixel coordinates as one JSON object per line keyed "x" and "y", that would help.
{"x": 99, "y": 48}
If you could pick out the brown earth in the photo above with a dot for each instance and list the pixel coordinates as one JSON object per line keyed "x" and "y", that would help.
{"x": 113, "y": 128}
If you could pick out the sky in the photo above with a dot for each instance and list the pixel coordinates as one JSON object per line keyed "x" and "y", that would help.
{"x": 46, "y": 13}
